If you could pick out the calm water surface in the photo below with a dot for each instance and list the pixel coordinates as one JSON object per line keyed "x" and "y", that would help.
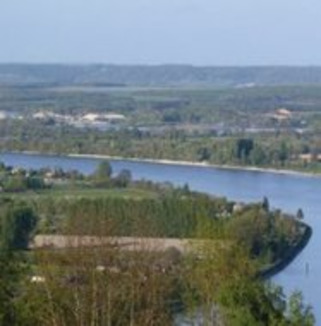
{"x": 288, "y": 192}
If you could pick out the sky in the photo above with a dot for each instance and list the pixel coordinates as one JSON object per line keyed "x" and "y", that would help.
{"x": 198, "y": 32}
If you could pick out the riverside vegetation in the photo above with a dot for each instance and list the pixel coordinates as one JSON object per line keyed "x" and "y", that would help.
{"x": 265, "y": 126}
{"x": 229, "y": 244}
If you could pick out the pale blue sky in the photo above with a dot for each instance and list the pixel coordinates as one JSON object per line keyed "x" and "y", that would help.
{"x": 200, "y": 32}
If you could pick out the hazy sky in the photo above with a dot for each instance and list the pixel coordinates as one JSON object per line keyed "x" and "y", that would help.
{"x": 200, "y": 32}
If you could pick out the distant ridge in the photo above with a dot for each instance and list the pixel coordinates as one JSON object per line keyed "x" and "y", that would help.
{"x": 162, "y": 75}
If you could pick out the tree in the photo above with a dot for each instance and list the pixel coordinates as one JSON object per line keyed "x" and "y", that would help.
{"x": 11, "y": 272}
{"x": 123, "y": 178}
{"x": 17, "y": 224}
{"x": 258, "y": 156}
{"x": 266, "y": 204}
{"x": 244, "y": 146}
{"x": 16, "y": 183}
{"x": 299, "y": 313}
{"x": 283, "y": 153}
{"x": 104, "y": 170}
{"x": 103, "y": 173}
{"x": 203, "y": 154}
{"x": 300, "y": 214}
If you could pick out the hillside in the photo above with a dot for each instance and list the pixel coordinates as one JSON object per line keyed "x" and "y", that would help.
{"x": 162, "y": 75}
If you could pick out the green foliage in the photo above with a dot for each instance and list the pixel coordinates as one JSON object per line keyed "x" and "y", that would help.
{"x": 267, "y": 234}
{"x": 223, "y": 283}
{"x": 244, "y": 148}
{"x": 221, "y": 126}
{"x": 266, "y": 204}
{"x": 211, "y": 125}
{"x": 168, "y": 216}
{"x": 102, "y": 174}
{"x": 300, "y": 214}
{"x": 16, "y": 183}
{"x": 123, "y": 179}
{"x": 247, "y": 302}
{"x": 17, "y": 223}
{"x": 299, "y": 313}
{"x": 103, "y": 170}
{"x": 258, "y": 156}
{"x": 11, "y": 271}
{"x": 103, "y": 286}
{"x": 108, "y": 285}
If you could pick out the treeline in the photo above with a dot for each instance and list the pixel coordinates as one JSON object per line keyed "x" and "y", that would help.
{"x": 268, "y": 235}
{"x": 279, "y": 151}
{"x": 19, "y": 180}
{"x": 232, "y": 107}
{"x": 155, "y": 75}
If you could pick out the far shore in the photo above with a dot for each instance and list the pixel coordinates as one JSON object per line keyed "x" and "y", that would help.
{"x": 198, "y": 164}
{"x": 180, "y": 163}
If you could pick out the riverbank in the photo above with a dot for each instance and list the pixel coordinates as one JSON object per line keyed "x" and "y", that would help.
{"x": 280, "y": 265}
{"x": 177, "y": 162}
{"x": 196, "y": 164}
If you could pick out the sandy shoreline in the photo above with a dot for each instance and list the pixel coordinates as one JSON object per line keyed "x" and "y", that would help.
{"x": 198, "y": 164}
{"x": 179, "y": 163}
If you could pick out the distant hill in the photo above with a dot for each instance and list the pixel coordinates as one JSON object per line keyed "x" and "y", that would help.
{"x": 162, "y": 75}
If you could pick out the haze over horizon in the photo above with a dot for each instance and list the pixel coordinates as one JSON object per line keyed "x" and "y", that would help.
{"x": 195, "y": 32}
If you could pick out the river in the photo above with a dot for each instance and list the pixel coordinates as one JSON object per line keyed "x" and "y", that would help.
{"x": 287, "y": 192}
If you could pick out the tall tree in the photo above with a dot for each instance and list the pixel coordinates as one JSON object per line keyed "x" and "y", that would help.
{"x": 17, "y": 223}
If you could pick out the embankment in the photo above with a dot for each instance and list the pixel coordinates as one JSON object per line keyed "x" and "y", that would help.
{"x": 281, "y": 264}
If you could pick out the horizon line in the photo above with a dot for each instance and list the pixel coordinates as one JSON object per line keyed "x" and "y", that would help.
{"x": 151, "y": 65}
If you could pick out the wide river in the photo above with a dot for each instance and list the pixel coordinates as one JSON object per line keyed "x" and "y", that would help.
{"x": 288, "y": 192}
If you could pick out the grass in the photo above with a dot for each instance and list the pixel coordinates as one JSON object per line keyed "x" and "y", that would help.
{"x": 70, "y": 192}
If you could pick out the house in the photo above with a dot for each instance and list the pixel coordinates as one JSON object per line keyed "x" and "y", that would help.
{"x": 308, "y": 158}
{"x": 281, "y": 114}
{"x": 94, "y": 117}
{"x": 284, "y": 113}
{"x": 3, "y": 115}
